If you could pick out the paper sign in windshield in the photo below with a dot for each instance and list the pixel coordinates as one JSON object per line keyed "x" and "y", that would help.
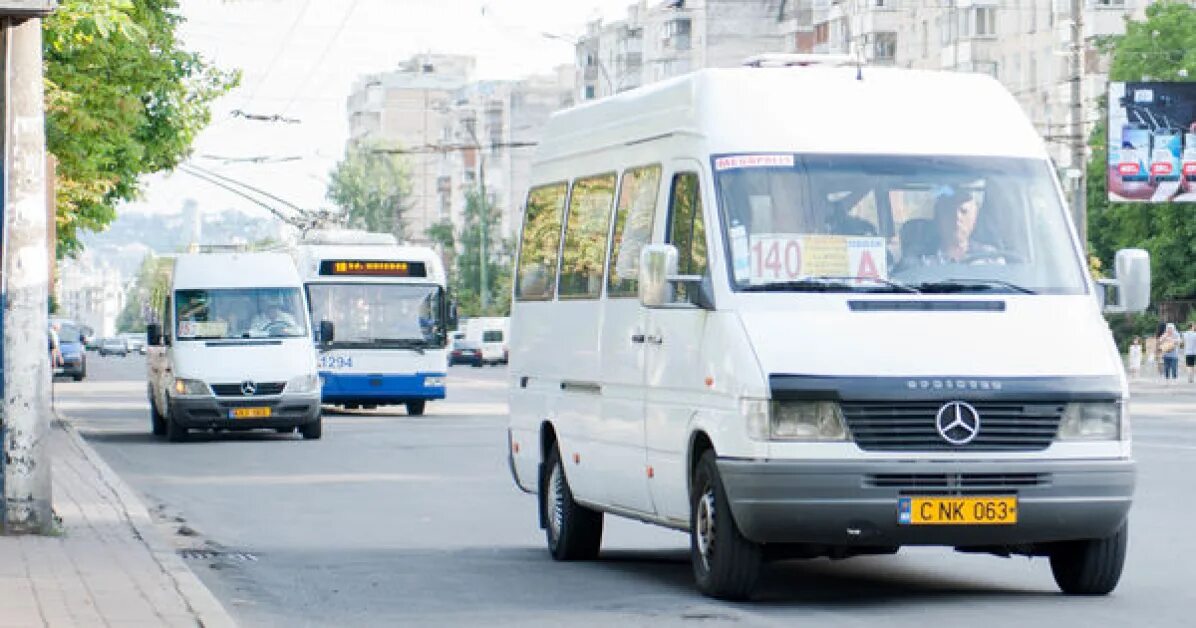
{"x": 732, "y": 162}
{"x": 774, "y": 257}
{"x": 202, "y": 329}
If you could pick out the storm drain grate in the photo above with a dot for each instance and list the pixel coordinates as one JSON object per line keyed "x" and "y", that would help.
{"x": 207, "y": 554}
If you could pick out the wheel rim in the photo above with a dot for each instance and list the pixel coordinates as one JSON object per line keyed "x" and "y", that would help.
{"x": 704, "y": 527}
{"x": 555, "y": 503}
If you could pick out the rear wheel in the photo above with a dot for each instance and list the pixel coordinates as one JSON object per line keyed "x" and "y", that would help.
{"x": 726, "y": 565}
{"x": 1090, "y": 567}
{"x": 157, "y": 421}
{"x": 416, "y": 408}
{"x": 573, "y": 531}
{"x": 313, "y": 430}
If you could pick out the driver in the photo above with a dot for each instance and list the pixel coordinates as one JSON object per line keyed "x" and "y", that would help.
{"x": 955, "y": 215}
{"x": 273, "y": 317}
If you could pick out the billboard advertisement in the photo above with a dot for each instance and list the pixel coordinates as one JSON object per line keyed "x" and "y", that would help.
{"x": 1152, "y": 142}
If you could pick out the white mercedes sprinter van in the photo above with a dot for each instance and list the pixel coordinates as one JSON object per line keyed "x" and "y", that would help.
{"x": 816, "y": 311}
{"x": 234, "y": 348}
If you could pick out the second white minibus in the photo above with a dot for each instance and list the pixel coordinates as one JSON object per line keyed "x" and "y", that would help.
{"x": 816, "y": 311}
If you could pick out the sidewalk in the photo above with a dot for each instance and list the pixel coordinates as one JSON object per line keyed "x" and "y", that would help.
{"x": 108, "y": 566}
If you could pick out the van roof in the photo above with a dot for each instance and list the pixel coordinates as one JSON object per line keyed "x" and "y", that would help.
{"x": 234, "y": 270}
{"x": 806, "y": 110}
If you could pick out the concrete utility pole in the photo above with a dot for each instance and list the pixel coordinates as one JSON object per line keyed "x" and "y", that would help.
{"x": 1079, "y": 154}
{"x": 483, "y": 215}
{"x": 26, "y": 360}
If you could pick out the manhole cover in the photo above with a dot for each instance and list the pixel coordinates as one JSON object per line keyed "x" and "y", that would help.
{"x": 207, "y": 554}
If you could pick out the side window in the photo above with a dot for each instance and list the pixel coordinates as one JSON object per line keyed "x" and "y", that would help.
{"x": 541, "y": 240}
{"x": 586, "y": 229}
{"x": 687, "y": 230}
{"x": 633, "y": 229}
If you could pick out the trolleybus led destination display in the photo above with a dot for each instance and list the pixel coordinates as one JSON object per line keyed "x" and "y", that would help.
{"x": 372, "y": 268}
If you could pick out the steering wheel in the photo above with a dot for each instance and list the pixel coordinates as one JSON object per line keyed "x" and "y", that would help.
{"x": 274, "y": 328}
{"x": 1003, "y": 255}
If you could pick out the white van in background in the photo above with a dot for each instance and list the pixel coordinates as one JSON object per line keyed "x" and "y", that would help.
{"x": 490, "y": 332}
{"x": 816, "y": 311}
{"x": 233, "y": 350}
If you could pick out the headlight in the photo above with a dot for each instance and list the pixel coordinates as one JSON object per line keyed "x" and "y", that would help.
{"x": 304, "y": 384}
{"x": 1091, "y": 421}
{"x": 794, "y": 420}
{"x": 191, "y": 387}
{"x": 434, "y": 382}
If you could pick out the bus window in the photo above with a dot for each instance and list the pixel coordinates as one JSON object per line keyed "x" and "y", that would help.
{"x": 541, "y": 240}
{"x": 633, "y": 229}
{"x": 586, "y": 231}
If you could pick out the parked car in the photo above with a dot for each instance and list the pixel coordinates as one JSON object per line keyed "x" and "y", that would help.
{"x": 114, "y": 346}
{"x": 465, "y": 352}
{"x": 70, "y": 345}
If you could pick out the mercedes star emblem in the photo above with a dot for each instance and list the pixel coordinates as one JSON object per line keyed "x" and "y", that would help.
{"x": 958, "y": 422}
{"x": 248, "y": 388}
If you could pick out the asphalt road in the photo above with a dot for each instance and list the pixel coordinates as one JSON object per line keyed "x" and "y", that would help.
{"x": 396, "y": 520}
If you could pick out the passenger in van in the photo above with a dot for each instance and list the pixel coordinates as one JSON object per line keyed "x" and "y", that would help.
{"x": 956, "y": 213}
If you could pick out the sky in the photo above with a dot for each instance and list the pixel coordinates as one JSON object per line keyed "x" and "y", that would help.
{"x": 299, "y": 59}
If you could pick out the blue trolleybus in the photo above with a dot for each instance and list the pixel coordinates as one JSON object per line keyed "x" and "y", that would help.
{"x": 389, "y": 312}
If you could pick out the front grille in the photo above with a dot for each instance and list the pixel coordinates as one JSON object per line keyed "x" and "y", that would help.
{"x": 956, "y": 483}
{"x": 234, "y": 390}
{"x": 910, "y": 426}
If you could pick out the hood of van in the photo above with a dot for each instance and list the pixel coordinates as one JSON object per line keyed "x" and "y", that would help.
{"x": 223, "y": 362}
{"x": 1029, "y": 337}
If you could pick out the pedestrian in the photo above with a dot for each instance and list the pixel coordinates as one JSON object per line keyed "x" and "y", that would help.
{"x": 1169, "y": 347}
{"x": 1189, "y": 341}
{"x": 1135, "y": 358}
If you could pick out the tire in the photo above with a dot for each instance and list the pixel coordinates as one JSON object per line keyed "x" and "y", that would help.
{"x": 157, "y": 421}
{"x": 176, "y": 433}
{"x": 416, "y": 408}
{"x": 313, "y": 430}
{"x": 573, "y": 532}
{"x": 1090, "y": 567}
{"x": 726, "y": 565}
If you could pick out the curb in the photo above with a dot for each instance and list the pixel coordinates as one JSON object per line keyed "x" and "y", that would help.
{"x": 208, "y": 611}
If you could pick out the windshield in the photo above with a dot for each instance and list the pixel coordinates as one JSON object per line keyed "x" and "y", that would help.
{"x": 895, "y": 224}
{"x": 379, "y": 315}
{"x": 239, "y": 313}
{"x": 68, "y": 333}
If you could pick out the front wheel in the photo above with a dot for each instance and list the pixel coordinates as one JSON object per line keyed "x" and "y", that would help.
{"x": 416, "y": 408}
{"x": 573, "y": 531}
{"x": 157, "y": 421}
{"x": 175, "y": 433}
{"x": 726, "y": 565}
{"x": 1090, "y": 567}
{"x": 313, "y": 430}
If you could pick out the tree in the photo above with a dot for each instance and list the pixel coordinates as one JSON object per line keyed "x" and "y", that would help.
{"x": 1154, "y": 49}
{"x": 373, "y": 188}
{"x": 123, "y": 99}
{"x": 465, "y": 277}
{"x": 147, "y": 294}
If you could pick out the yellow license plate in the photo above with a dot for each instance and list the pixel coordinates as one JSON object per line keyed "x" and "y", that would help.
{"x": 249, "y": 413}
{"x": 968, "y": 511}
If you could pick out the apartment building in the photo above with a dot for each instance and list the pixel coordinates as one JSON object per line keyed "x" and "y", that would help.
{"x": 457, "y": 130}
{"x": 90, "y": 292}
{"x": 1025, "y": 44}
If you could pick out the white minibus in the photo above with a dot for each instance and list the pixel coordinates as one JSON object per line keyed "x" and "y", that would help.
{"x": 389, "y": 305}
{"x": 233, "y": 349}
{"x": 817, "y": 311}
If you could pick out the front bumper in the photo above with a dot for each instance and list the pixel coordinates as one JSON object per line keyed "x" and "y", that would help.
{"x": 214, "y": 412}
{"x": 379, "y": 389}
{"x": 856, "y": 503}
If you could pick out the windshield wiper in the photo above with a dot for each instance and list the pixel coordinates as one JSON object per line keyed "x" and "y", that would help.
{"x": 833, "y": 283}
{"x": 954, "y": 285}
{"x": 401, "y": 343}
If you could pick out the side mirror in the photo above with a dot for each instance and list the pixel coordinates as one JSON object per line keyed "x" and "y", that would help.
{"x": 327, "y": 332}
{"x": 1131, "y": 269}
{"x": 153, "y": 334}
{"x": 658, "y": 280}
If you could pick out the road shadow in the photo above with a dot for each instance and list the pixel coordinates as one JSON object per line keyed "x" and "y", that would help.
{"x": 206, "y": 436}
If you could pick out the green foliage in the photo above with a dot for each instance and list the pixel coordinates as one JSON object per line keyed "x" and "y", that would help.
{"x": 1126, "y": 326}
{"x": 372, "y": 188}
{"x": 465, "y": 277}
{"x": 123, "y": 99}
{"x": 150, "y": 289}
{"x": 1158, "y": 48}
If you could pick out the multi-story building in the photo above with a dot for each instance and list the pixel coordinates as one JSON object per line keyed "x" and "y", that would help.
{"x": 408, "y": 109}
{"x": 1023, "y": 43}
{"x": 454, "y": 130}
{"x": 90, "y": 292}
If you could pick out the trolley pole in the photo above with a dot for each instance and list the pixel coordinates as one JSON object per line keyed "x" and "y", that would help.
{"x": 26, "y": 407}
